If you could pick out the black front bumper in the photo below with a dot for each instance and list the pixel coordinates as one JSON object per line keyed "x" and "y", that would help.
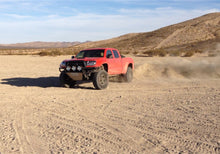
{"x": 85, "y": 74}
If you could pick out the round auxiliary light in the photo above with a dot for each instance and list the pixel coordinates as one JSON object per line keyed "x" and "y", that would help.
{"x": 79, "y": 68}
{"x": 74, "y": 68}
{"x": 68, "y": 68}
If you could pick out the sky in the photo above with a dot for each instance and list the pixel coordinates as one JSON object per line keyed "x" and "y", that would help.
{"x": 92, "y": 20}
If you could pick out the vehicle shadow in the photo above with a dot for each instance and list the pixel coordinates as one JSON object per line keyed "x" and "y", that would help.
{"x": 43, "y": 82}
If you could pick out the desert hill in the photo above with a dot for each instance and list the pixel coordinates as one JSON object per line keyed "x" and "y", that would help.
{"x": 38, "y": 44}
{"x": 202, "y": 33}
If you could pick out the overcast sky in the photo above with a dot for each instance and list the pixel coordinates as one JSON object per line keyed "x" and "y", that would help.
{"x": 82, "y": 20}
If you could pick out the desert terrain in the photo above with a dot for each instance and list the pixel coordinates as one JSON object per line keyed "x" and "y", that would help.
{"x": 171, "y": 106}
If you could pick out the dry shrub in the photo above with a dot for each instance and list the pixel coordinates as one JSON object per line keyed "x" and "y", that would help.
{"x": 212, "y": 54}
{"x": 44, "y": 53}
{"x": 58, "y": 52}
{"x": 186, "y": 53}
{"x": 175, "y": 53}
{"x": 69, "y": 51}
{"x": 149, "y": 53}
{"x": 125, "y": 52}
{"x": 156, "y": 52}
{"x": 54, "y": 52}
{"x": 135, "y": 52}
{"x": 161, "y": 52}
{"x": 189, "y": 53}
{"x": 198, "y": 51}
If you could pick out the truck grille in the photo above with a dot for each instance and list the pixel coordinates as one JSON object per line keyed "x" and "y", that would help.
{"x": 75, "y": 63}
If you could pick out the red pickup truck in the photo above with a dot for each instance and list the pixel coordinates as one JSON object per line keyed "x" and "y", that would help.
{"x": 95, "y": 65}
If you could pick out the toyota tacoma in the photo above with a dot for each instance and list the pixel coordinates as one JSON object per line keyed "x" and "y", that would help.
{"x": 95, "y": 65}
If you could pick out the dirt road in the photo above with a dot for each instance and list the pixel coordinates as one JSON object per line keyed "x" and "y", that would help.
{"x": 172, "y": 106}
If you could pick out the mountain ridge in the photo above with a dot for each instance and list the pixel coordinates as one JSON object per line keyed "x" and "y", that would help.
{"x": 39, "y": 44}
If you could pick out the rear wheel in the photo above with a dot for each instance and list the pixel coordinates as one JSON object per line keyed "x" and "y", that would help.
{"x": 66, "y": 81}
{"x": 100, "y": 80}
{"x": 129, "y": 75}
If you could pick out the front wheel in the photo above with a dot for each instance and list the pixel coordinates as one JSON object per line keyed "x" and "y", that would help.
{"x": 100, "y": 80}
{"x": 66, "y": 81}
{"x": 129, "y": 75}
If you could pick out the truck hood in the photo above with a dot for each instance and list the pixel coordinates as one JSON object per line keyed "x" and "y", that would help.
{"x": 84, "y": 59}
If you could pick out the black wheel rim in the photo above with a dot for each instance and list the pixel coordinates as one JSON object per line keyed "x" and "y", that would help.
{"x": 102, "y": 79}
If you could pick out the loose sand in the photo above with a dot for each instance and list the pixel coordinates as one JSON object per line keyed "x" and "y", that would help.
{"x": 171, "y": 106}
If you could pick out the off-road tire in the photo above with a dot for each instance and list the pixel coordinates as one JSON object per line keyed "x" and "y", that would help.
{"x": 100, "y": 80}
{"x": 129, "y": 75}
{"x": 66, "y": 81}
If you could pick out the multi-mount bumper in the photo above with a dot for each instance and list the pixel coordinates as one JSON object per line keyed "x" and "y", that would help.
{"x": 85, "y": 74}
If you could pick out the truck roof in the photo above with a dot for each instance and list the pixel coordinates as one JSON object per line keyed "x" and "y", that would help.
{"x": 99, "y": 48}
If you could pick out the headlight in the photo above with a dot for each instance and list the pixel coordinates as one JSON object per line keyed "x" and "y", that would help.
{"x": 79, "y": 68}
{"x": 90, "y": 63}
{"x": 63, "y": 64}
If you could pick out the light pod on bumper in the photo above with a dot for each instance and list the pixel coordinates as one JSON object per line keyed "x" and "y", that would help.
{"x": 74, "y": 68}
{"x": 79, "y": 68}
{"x": 68, "y": 68}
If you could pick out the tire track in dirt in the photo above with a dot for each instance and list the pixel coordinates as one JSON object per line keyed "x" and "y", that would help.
{"x": 167, "y": 126}
{"x": 160, "y": 134}
{"x": 60, "y": 135}
{"x": 164, "y": 134}
{"x": 84, "y": 127}
{"x": 170, "y": 126}
{"x": 20, "y": 129}
{"x": 86, "y": 130}
{"x": 9, "y": 142}
{"x": 138, "y": 135}
{"x": 12, "y": 128}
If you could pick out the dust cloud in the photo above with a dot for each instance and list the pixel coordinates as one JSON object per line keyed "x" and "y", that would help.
{"x": 179, "y": 68}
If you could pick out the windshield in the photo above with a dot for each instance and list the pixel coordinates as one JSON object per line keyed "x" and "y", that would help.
{"x": 90, "y": 53}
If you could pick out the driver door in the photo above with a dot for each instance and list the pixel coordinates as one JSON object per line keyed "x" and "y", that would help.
{"x": 110, "y": 61}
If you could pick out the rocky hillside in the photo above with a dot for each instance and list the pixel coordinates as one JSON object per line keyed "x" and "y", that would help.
{"x": 202, "y": 33}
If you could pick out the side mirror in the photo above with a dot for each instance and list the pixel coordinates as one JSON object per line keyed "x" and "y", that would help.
{"x": 73, "y": 57}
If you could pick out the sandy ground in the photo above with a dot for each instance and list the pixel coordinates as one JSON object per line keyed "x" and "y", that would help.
{"x": 171, "y": 106}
